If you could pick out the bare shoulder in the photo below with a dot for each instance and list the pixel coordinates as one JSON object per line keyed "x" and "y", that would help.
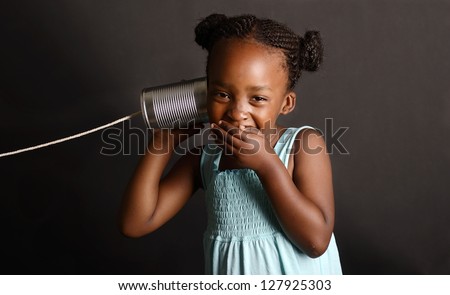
{"x": 309, "y": 142}
{"x": 308, "y": 145}
{"x": 311, "y": 160}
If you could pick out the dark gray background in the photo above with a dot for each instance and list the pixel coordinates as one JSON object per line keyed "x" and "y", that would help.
{"x": 68, "y": 66}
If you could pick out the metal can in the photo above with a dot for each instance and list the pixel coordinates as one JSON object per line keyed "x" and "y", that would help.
{"x": 175, "y": 105}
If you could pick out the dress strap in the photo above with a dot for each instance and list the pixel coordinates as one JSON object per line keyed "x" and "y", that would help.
{"x": 284, "y": 145}
{"x": 209, "y": 162}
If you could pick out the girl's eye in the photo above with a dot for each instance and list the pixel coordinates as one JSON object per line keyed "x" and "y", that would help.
{"x": 259, "y": 99}
{"x": 222, "y": 96}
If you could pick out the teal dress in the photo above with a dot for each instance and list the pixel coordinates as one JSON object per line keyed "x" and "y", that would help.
{"x": 243, "y": 235}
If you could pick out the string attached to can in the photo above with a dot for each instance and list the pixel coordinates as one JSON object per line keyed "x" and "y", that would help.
{"x": 161, "y": 106}
{"x": 69, "y": 137}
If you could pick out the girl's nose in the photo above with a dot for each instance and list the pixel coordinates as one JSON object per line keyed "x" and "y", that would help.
{"x": 237, "y": 113}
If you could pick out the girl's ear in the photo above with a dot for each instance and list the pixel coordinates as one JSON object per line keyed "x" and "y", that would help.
{"x": 289, "y": 103}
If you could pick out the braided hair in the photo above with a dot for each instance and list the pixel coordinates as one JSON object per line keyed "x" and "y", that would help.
{"x": 301, "y": 53}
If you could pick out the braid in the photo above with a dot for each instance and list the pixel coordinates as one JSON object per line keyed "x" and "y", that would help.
{"x": 311, "y": 51}
{"x": 218, "y": 26}
{"x": 301, "y": 53}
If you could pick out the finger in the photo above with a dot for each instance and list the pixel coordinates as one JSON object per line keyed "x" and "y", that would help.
{"x": 251, "y": 131}
{"x": 228, "y": 127}
{"x": 217, "y": 134}
{"x": 246, "y": 140}
{"x": 225, "y": 129}
{"x": 230, "y": 137}
{"x": 244, "y": 144}
{"x": 229, "y": 142}
{"x": 225, "y": 139}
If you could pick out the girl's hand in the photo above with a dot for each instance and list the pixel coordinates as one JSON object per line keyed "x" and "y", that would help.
{"x": 250, "y": 147}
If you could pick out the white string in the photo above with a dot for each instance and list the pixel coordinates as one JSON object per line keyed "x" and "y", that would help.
{"x": 68, "y": 138}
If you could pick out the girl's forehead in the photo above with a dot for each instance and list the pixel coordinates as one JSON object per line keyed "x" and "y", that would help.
{"x": 247, "y": 62}
{"x": 245, "y": 51}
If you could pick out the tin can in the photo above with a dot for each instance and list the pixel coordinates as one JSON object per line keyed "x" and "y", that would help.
{"x": 175, "y": 105}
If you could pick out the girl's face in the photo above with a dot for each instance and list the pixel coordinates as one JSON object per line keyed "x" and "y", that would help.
{"x": 247, "y": 84}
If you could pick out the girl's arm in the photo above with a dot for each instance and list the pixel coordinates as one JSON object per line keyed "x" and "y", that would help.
{"x": 150, "y": 200}
{"x": 303, "y": 201}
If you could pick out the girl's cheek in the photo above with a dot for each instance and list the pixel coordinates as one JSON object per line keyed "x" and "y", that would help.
{"x": 215, "y": 113}
{"x": 211, "y": 113}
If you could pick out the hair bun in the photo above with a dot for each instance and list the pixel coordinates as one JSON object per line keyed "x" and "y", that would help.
{"x": 311, "y": 51}
{"x": 204, "y": 30}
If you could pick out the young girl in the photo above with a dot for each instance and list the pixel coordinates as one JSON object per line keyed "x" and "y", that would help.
{"x": 268, "y": 189}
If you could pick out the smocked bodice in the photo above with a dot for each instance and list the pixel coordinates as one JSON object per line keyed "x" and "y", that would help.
{"x": 240, "y": 208}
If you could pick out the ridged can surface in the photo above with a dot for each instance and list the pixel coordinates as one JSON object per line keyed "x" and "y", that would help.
{"x": 175, "y": 105}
